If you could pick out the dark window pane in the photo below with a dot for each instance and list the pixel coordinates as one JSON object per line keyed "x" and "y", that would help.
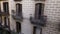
{"x": 9, "y": 23}
{"x": 19, "y": 9}
{"x": 34, "y": 30}
{"x": 18, "y": 27}
{"x": 5, "y": 7}
{"x": 5, "y": 21}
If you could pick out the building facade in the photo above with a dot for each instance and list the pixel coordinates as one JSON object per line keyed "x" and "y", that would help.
{"x": 31, "y": 16}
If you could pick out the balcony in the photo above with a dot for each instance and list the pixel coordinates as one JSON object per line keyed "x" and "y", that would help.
{"x": 16, "y": 17}
{"x": 4, "y": 13}
{"x": 39, "y": 22}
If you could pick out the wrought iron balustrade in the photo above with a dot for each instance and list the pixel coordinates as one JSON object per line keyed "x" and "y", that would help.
{"x": 40, "y": 22}
{"x": 16, "y": 16}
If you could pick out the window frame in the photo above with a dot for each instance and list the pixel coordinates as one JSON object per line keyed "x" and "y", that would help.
{"x": 19, "y": 9}
{"x": 6, "y": 6}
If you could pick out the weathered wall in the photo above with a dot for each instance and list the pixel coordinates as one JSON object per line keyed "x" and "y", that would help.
{"x": 52, "y": 10}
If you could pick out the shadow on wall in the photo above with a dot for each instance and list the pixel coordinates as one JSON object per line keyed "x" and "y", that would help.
{"x": 59, "y": 27}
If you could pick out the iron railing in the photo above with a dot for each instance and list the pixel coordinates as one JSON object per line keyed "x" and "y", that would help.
{"x": 15, "y": 16}
{"x": 40, "y": 22}
{"x": 4, "y": 13}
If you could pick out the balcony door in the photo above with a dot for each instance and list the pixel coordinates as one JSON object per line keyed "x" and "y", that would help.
{"x": 18, "y": 27}
{"x": 36, "y": 30}
{"x": 38, "y": 10}
{"x": 5, "y": 6}
{"x": 19, "y": 9}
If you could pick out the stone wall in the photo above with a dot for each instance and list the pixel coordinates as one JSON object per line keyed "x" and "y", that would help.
{"x": 52, "y": 10}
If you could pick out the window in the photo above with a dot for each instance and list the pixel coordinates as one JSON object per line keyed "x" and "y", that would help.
{"x": 39, "y": 0}
{"x": 9, "y": 23}
{"x": 0, "y": 20}
{"x": 19, "y": 9}
{"x": 18, "y": 27}
{"x": 34, "y": 30}
{"x": 5, "y": 21}
{"x": 39, "y": 7}
{"x": 17, "y": 0}
{"x": 5, "y": 7}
